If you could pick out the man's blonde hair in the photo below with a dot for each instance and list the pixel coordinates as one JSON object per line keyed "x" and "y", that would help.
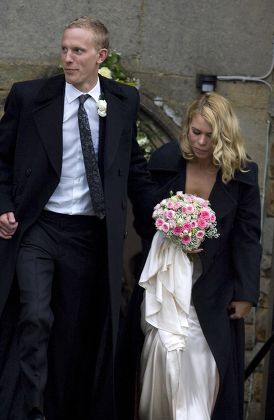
{"x": 100, "y": 32}
{"x": 228, "y": 145}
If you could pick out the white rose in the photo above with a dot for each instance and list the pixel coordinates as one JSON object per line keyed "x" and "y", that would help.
{"x": 102, "y": 107}
{"x": 105, "y": 72}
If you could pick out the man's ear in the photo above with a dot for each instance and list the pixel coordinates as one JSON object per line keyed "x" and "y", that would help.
{"x": 102, "y": 55}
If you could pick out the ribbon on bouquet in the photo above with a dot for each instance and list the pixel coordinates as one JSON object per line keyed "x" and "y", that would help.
{"x": 167, "y": 280}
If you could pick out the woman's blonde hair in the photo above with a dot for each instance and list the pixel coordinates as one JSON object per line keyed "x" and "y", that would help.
{"x": 228, "y": 145}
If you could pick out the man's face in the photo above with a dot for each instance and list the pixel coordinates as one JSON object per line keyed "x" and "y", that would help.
{"x": 81, "y": 58}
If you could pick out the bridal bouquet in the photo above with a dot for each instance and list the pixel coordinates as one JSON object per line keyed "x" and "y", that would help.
{"x": 186, "y": 220}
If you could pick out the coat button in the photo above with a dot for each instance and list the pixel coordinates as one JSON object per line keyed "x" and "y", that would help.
{"x": 28, "y": 171}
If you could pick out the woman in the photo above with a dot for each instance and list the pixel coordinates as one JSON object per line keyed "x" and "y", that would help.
{"x": 210, "y": 161}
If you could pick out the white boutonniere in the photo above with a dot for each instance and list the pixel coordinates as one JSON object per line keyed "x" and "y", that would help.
{"x": 102, "y": 107}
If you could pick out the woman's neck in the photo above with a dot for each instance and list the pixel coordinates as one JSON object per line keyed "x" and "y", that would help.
{"x": 203, "y": 164}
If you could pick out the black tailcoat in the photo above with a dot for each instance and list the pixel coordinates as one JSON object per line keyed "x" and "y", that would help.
{"x": 30, "y": 168}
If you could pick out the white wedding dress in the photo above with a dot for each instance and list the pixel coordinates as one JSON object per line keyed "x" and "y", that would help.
{"x": 179, "y": 377}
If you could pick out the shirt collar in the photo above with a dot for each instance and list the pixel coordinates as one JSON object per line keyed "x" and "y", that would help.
{"x": 71, "y": 93}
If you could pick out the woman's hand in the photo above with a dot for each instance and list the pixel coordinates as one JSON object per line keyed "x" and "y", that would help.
{"x": 195, "y": 251}
{"x": 239, "y": 309}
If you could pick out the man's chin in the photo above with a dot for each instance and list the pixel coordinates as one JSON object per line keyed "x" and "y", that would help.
{"x": 70, "y": 80}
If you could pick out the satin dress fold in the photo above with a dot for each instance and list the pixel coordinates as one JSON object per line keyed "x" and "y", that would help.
{"x": 179, "y": 377}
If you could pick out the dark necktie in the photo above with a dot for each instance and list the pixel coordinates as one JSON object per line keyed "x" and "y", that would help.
{"x": 90, "y": 161}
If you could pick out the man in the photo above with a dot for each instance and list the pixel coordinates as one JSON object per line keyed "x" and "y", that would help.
{"x": 62, "y": 227}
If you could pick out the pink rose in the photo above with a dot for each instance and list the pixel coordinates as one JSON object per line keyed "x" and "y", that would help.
{"x": 165, "y": 227}
{"x": 169, "y": 214}
{"x": 159, "y": 222}
{"x": 190, "y": 208}
{"x": 172, "y": 223}
{"x": 201, "y": 201}
{"x": 170, "y": 205}
{"x": 177, "y": 205}
{"x": 177, "y": 230}
{"x": 194, "y": 224}
{"x": 183, "y": 209}
{"x": 212, "y": 217}
{"x": 202, "y": 224}
{"x": 189, "y": 198}
{"x": 205, "y": 214}
{"x": 200, "y": 234}
{"x": 185, "y": 240}
{"x": 186, "y": 226}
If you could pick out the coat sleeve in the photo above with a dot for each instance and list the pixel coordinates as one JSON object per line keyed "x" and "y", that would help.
{"x": 142, "y": 190}
{"x": 8, "y": 134}
{"x": 246, "y": 241}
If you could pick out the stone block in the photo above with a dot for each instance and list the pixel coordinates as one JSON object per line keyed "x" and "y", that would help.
{"x": 249, "y": 336}
{"x": 265, "y": 284}
{"x": 257, "y": 386}
{"x": 250, "y": 318}
{"x": 268, "y": 232}
{"x": 271, "y": 162}
{"x": 250, "y": 354}
{"x": 248, "y": 389}
{"x": 266, "y": 264}
{"x": 18, "y": 71}
{"x": 261, "y": 324}
{"x": 253, "y": 411}
{"x": 270, "y": 199}
{"x": 264, "y": 300}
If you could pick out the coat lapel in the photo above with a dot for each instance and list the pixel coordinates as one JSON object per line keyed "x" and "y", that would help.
{"x": 222, "y": 197}
{"x": 223, "y": 200}
{"x": 115, "y": 119}
{"x": 48, "y": 116}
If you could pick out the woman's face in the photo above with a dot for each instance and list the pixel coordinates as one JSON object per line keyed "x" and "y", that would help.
{"x": 199, "y": 137}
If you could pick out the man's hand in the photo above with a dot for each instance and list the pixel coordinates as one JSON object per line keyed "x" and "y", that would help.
{"x": 8, "y": 225}
{"x": 239, "y": 309}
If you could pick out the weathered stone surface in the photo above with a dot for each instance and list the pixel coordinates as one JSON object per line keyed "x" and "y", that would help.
{"x": 250, "y": 318}
{"x": 268, "y": 233}
{"x": 266, "y": 263}
{"x": 258, "y": 382}
{"x": 271, "y": 162}
{"x": 17, "y": 71}
{"x": 261, "y": 324}
{"x": 179, "y": 28}
{"x": 265, "y": 299}
{"x": 254, "y": 411}
{"x": 249, "y": 336}
{"x": 270, "y": 199}
{"x": 251, "y": 354}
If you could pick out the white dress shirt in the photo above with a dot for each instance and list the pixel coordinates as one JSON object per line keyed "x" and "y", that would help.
{"x": 72, "y": 195}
